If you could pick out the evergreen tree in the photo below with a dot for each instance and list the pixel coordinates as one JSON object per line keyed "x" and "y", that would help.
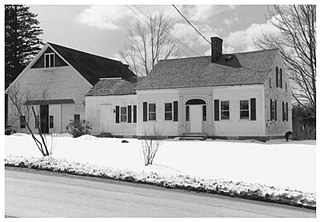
{"x": 22, "y": 40}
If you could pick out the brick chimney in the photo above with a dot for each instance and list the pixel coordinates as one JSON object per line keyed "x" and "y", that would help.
{"x": 216, "y": 48}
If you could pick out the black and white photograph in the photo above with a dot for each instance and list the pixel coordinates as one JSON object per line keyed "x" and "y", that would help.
{"x": 159, "y": 110}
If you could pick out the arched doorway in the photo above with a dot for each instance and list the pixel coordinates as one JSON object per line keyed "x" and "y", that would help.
{"x": 196, "y": 113}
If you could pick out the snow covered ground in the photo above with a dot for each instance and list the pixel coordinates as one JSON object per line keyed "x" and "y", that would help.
{"x": 275, "y": 163}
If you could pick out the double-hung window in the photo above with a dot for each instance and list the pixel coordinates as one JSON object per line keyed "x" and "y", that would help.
{"x": 123, "y": 114}
{"x": 244, "y": 109}
{"x": 49, "y": 60}
{"x": 225, "y": 112}
{"x": 152, "y": 111}
{"x": 168, "y": 111}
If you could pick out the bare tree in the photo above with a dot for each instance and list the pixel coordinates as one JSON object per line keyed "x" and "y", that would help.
{"x": 20, "y": 108}
{"x": 148, "y": 42}
{"x": 297, "y": 43}
{"x": 150, "y": 145}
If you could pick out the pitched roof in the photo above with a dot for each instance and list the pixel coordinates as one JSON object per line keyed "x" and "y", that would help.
{"x": 92, "y": 67}
{"x": 231, "y": 69}
{"x": 111, "y": 87}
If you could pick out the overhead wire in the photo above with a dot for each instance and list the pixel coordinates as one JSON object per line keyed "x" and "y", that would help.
{"x": 170, "y": 35}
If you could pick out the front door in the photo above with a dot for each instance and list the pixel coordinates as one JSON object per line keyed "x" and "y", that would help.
{"x": 44, "y": 118}
{"x": 196, "y": 118}
{"x": 106, "y": 118}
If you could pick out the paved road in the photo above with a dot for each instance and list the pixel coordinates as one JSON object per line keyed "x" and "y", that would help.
{"x": 31, "y": 193}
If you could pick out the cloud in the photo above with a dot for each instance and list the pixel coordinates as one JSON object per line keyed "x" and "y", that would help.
{"x": 244, "y": 40}
{"x": 103, "y": 16}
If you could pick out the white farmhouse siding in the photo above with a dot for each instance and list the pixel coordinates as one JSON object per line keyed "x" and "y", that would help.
{"x": 158, "y": 97}
{"x": 279, "y": 94}
{"x": 235, "y": 126}
{"x": 104, "y": 121}
{"x": 57, "y": 83}
{"x": 65, "y": 75}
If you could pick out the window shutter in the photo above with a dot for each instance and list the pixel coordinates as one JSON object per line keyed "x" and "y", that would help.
{"x": 117, "y": 114}
{"x": 216, "y": 110}
{"x": 271, "y": 116}
{"x": 253, "y": 108}
{"x": 187, "y": 113}
{"x": 280, "y": 78}
{"x": 145, "y": 111}
{"x": 287, "y": 112}
{"x": 204, "y": 113}
{"x": 175, "y": 111}
{"x": 277, "y": 76}
{"x": 135, "y": 113}
{"x": 283, "y": 112}
{"x": 275, "y": 110}
{"x": 129, "y": 114}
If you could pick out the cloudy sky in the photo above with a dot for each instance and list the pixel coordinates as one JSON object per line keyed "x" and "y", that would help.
{"x": 103, "y": 29}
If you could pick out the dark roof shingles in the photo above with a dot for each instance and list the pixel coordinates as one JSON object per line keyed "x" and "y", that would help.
{"x": 231, "y": 69}
{"x": 111, "y": 87}
{"x": 93, "y": 67}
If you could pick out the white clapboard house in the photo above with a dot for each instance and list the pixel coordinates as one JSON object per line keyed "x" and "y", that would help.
{"x": 237, "y": 95}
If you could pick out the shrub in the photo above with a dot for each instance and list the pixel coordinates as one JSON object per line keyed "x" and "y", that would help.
{"x": 150, "y": 146}
{"x": 79, "y": 128}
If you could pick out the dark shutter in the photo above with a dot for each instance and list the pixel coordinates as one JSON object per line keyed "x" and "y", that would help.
{"x": 187, "y": 113}
{"x": 117, "y": 114}
{"x": 175, "y": 111}
{"x": 283, "y": 112}
{"x": 280, "y": 78}
{"x": 145, "y": 111}
{"x": 287, "y": 112}
{"x": 271, "y": 116}
{"x": 216, "y": 110}
{"x": 129, "y": 114}
{"x": 135, "y": 113}
{"x": 204, "y": 113}
{"x": 253, "y": 108}
{"x": 277, "y": 76}
{"x": 275, "y": 110}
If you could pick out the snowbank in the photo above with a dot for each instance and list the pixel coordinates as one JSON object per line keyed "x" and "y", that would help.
{"x": 279, "y": 164}
{"x": 216, "y": 186}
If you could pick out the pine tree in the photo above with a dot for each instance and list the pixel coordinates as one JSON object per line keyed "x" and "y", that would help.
{"x": 22, "y": 40}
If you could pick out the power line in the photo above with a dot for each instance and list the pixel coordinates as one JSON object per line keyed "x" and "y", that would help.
{"x": 191, "y": 24}
{"x": 174, "y": 38}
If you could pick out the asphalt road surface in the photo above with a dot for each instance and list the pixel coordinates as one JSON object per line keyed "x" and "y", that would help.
{"x": 33, "y": 193}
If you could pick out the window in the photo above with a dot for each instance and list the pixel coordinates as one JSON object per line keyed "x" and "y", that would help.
{"x": 51, "y": 122}
{"x": 49, "y": 60}
{"x": 152, "y": 111}
{"x": 225, "y": 113}
{"x": 76, "y": 118}
{"x": 270, "y": 82}
{"x": 22, "y": 122}
{"x": 168, "y": 111}
{"x": 244, "y": 109}
{"x": 123, "y": 114}
{"x": 204, "y": 113}
{"x": 36, "y": 123}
